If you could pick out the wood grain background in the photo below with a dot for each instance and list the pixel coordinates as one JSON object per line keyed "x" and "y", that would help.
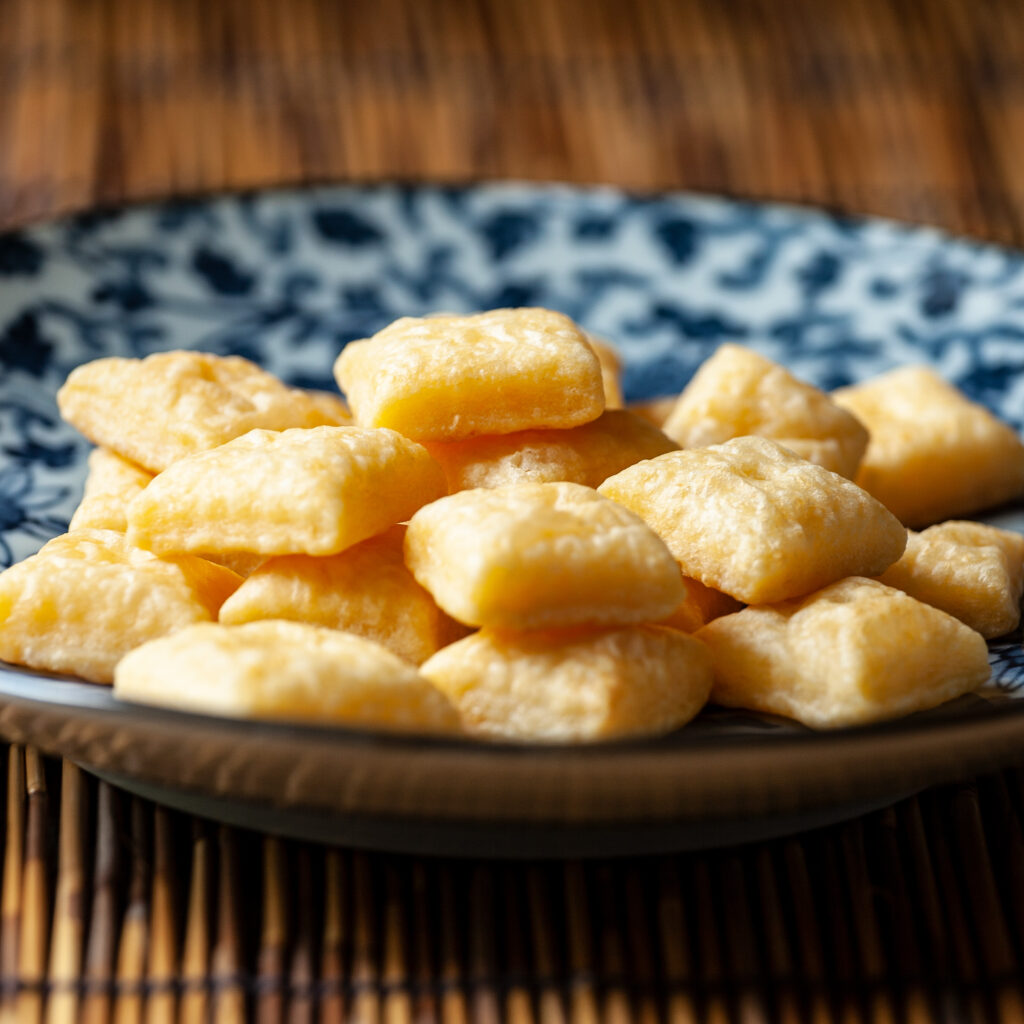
{"x": 910, "y": 108}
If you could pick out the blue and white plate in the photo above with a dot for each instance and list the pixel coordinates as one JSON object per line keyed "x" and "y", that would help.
{"x": 286, "y": 278}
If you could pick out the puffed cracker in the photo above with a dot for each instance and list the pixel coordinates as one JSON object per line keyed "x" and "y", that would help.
{"x": 333, "y": 409}
{"x": 573, "y": 685}
{"x": 584, "y": 455}
{"x": 534, "y": 556}
{"x": 611, "y": 371}
{"x": 366, "y": 590}
{"x": 283, "y": 670}
{"x": 157, "y": 410}
{"x": 739, "y": 392}
{"x": 933, "y": 454}
{"x": 313, "y": 492}
{"x": 89, "y": 597}
{"x": 444, "y": 378}
{"x": 654, "y": 410}
{"x": 755, "y": 521}
{"x": 855, "y": 652}
{"x": 972, "y": 571}
{"x": 112, "y": 483}
{"x": 700, "y": 606}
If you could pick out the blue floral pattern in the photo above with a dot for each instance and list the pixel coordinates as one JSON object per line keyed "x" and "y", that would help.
{"x": 287, "y": 278}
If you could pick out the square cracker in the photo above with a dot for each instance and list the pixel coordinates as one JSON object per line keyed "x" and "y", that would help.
{"x": 534, "y": 556}
{"x": 157, "y": 410}
{"x": 313, "y": 492}
{"x": 89, "y": 597}
{"x": 444, "y": 378}
{"x": 572, "y": 685}
{"x": 365, "y": 589}
{"x": 933, "y": 453}
{"x": 739, "y": 392}
{"x": 855, "y": 652}
{"x": 972, "y": 571}
{"x": 586, "y": 455}
{"x": 283, "y": 670}
{"x": 753, "y": 520}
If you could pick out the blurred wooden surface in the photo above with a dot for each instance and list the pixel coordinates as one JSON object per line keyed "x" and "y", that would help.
{"x": 910, "y": 109}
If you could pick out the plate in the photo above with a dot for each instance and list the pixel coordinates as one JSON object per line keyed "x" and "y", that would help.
{"x": 286, "y": 278}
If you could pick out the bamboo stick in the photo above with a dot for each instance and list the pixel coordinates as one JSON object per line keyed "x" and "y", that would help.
{"x": 33, "y": 936}
{"x": 334, "y": 955}
{"x": 301, "y": 1000}
{"x": 274, "y": 936}
{"x": 229, "y": 1002}
{"x": 134, "y": 938}
{"x": 195, "y": 960}
{"x": 10, "y": 902}
{"x": 68, "y": 910}
{"x": 454, "y": 1005}
{"x": 395, "y": 976}
{"x": 101, "y": 943}
{"x": 364, "y": 976}
{"x": 162, "y": 954}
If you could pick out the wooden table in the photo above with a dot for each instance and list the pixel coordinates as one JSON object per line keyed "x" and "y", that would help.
{"x": 914, "y": 110}
{"x": 910, "y": 109}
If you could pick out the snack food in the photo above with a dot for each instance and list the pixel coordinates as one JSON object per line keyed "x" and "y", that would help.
{"x": 700, "y": 606}
{"x": 112, "y": 484}
{"x": 755, "y": 521}
{"x": 972, "y": 571}
{"x": 855, "y": 652}
{"x": 738, "y": 392}
{"x": 583, "y": 455}
{"x": 444, "y": 378}
{"x": 573, "y": 685}
{"x": 365, "y": 590}
{"x": 536, "y": 556}
{"x": 157, "y": 410}
{"x": 611, "y": 371}
{"x": 584, "y": 596}
{"x": 933, "y": 454}
{"x": 89, "y": 597}
{"x": 286, "y": 670}
{"x": 314, "y": 492}
{"x": 656, "y": 410}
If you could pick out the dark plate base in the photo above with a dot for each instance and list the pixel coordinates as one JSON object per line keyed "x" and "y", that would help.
{"x": 502, "y": 841}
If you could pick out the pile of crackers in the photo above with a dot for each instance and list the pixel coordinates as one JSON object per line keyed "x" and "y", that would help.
{"x": 479, "y": 539}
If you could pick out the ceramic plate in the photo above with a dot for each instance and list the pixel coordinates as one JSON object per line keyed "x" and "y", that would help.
{"x": 287, "y": 278}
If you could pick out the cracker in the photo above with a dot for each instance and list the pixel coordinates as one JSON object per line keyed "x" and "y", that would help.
{"x": 89, "y": 597}
{"x": 739, "y": 392}
{"x": 584, "y": 455}
{"x": 283, "y": 670}
{"x": 751, "y": 519}
{"x": 574, "y": 685}
{"x": 444, "y": 378}
{"x": 112, "y": 483}
{"x": 972, "y": 571}
{"x": 157, "y": 410}
{"x": 933, "y": 454}
{"x": 700, "y": 606}
{"x": 611, "y": 371}
{"x": 313, "y": 492}
{"x": 855, "y": 652}
{"x": 534, "y": 556}
{"x": 365, "y": 590}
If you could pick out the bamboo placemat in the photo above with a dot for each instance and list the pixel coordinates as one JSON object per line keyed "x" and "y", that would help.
{"x": 112, "y": 906}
